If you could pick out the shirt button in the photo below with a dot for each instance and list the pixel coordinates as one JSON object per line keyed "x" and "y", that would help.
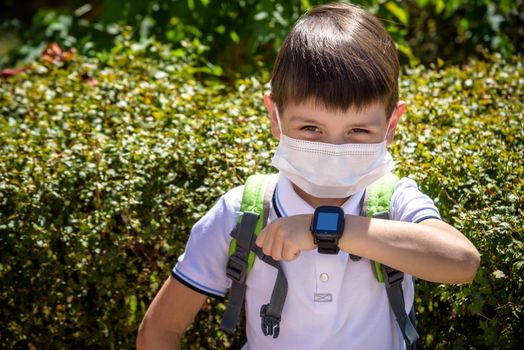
{"x": 324, "y": 277}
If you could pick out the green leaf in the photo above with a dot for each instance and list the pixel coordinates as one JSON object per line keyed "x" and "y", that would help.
{"x": 398, "y": 12}
{"x": 234, "y": 36}
{"x": 261, "y": 16}
{"x": 305, "y": 5}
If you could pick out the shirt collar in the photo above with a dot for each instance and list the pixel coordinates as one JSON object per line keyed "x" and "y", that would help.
{"x": 290, "y": 203}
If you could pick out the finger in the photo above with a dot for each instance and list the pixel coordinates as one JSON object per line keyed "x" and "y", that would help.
{"x": 289, "y": 252}
{"x": 277, "y": 246}
{"x": 260, "y": 238}
{"x": 268, "y": 242}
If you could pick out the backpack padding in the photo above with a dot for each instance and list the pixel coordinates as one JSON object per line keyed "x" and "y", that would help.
{"x": 256, "y": 199}
{"x": 377, "y": 204}
{"x": 379, "y": 194}
{"x": 254, "y": 209}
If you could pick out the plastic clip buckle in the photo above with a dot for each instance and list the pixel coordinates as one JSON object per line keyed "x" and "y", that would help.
{"x": 270, "y": 324}
{"x": 236, "y": 269}
{"x": 391, "y": 276}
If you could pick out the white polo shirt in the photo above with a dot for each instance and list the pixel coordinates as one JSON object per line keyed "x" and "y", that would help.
{"x": 332, "y": 302}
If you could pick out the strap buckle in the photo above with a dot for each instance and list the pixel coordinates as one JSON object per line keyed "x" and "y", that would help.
{"x": 392, "y": 277}
{"x": 270, "y": 324}
{"x": 236, "y": 269}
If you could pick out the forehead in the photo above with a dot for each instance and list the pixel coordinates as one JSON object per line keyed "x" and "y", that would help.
{"x": 373, "y": 113}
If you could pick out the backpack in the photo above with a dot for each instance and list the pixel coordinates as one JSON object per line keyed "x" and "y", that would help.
{"x": 254, "y": 211}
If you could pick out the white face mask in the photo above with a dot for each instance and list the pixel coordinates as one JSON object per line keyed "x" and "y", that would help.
{"x": 326, "y": 170}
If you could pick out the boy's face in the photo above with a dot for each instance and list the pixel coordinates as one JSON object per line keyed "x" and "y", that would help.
{"x": 313, "y": 122}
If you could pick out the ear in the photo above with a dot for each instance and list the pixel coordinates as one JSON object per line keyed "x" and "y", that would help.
{"x": 270, "y": 105}
{"x": 393, "y": 121}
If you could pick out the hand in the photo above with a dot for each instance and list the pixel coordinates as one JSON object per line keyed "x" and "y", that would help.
{"x": 284, "y": 238}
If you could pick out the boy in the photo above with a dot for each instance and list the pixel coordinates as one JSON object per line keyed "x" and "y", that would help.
{"x": 334, "y": 107}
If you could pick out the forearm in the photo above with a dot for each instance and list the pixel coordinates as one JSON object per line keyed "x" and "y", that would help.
{"x": 434, "y": 252}
{"x": 151, "y": 338}
{"x": 170, "y": 313}
{"x": 431, "y": 250}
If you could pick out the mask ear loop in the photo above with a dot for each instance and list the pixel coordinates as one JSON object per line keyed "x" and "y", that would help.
{"x": 278, "y": 120}
{"x": 387, "y": 129}
{"x": 386, "y": 135}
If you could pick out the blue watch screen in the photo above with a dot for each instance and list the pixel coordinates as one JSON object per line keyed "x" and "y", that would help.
{"x": 327, "y": 221}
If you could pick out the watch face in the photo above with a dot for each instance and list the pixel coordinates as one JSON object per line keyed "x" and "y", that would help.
{"x": 327, "y": 222}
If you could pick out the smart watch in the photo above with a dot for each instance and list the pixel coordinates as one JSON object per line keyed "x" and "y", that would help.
{"x": 327, "y": 226}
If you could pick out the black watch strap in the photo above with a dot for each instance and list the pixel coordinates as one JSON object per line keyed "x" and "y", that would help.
{"x": 327, "y": 246}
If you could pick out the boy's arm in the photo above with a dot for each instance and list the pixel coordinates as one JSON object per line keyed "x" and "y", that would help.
{"x": 173, "y": 309}
{"x": 431, "y": 250}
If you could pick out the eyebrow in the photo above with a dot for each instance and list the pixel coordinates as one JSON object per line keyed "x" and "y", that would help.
{"x": 373, "y": 122}
{"x": 302, "y": 119}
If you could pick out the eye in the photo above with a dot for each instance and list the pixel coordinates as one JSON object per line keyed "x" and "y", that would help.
{"x": 358, "y": 131}
{"x": 310, "y": 128}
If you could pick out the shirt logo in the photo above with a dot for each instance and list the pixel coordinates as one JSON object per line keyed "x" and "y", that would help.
{"x": 323, "y": 298}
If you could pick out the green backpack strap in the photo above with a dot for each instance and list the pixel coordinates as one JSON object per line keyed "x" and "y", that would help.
{"x": 255, "y": 199}
{"x": 377, "y": 204}
{"x": 254, "y": 212}
{"x": 379, "y": 194}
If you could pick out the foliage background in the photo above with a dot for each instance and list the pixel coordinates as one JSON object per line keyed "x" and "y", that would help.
{"x": 109, "y": 156}
{"x": 239, "y": 33}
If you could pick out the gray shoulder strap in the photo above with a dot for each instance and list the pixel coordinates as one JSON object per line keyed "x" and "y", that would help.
{"x": 393, "y": 283}
{"x": 364, "y": 203}
{"x": 237, "y": 269}
{"x": 271, "y": 313}
{"x": 268, "y": 194}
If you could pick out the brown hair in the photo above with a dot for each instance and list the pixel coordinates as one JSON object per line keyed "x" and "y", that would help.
{"x": 340, "y": 55}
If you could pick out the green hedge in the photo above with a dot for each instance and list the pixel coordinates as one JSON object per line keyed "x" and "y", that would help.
{"x": 239, "y": 33}
{"x": 106, "y": 163}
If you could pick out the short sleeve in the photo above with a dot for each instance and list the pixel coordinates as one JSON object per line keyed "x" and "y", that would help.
{"x": 202, "y": 266}
{"x": 408, "y": 203}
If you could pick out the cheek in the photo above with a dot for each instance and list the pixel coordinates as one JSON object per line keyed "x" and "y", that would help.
{"x": 365, "y": 139}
